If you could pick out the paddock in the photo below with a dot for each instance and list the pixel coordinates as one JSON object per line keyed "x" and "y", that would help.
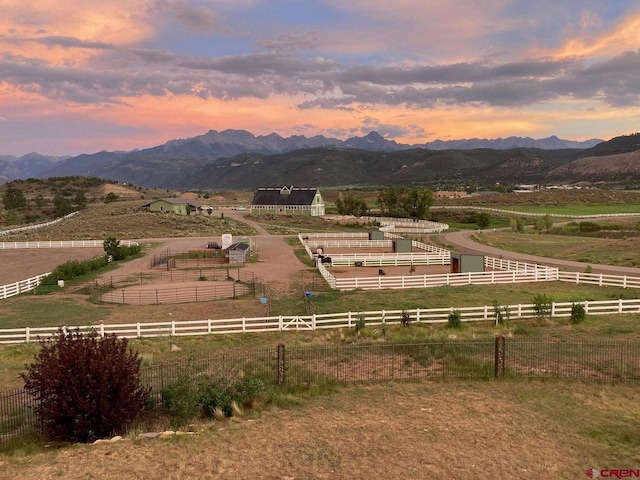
{"x": 169, "y": 293}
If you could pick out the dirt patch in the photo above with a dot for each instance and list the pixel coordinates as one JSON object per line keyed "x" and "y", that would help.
{"x": 23, "y": 263}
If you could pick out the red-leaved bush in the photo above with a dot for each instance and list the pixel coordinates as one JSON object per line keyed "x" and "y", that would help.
{"x": 85, "y": 386}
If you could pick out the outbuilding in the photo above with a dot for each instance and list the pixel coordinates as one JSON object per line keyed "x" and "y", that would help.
{"x": 288, "y": 200}
{"x": 179, "y": 206}
{"x": 238, "y": 253}
{"x": 465, "y": 263}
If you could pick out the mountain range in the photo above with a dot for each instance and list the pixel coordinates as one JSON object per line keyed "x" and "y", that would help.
{"x": 239, "y": 159}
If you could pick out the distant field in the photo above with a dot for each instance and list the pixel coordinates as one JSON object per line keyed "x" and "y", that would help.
{"x": 604, "y": 251}
{"x": 572, "y": 210}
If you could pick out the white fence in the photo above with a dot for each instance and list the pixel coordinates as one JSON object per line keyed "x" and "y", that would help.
{"x": 60, "y": 244}
{"x": 419, "y": 226}
{"x": 325, "y": 321}
{"x": 447, "y": 279}
{"x": 335, "y": 235}
{"x": 38, "y": 225}
{"x": 600, "y": 279}
{"x": 387, "y": 259}
{"x": 531, "y": 214}
{"x": 22, "y": 286}
{"x": 350, "y": 243}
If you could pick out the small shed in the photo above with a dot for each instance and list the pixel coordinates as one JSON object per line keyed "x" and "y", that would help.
{"x": 376, "y": 235}
{"x": 238, "y": 253}
{"x": 465, "y": 263}
{"x": 402, "y": 245}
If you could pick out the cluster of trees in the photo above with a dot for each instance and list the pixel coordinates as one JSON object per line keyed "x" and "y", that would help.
{"x": 403, "y": 202}
{"x": 349, "y": 204}
{"x": 15, "y": 203}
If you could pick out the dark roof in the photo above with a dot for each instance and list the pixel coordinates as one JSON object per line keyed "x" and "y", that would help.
{"x": 238, "y": 246}
{"x": 275, "y": 196}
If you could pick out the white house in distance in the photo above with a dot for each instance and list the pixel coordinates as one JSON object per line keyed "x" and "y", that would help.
{"x": 288, "y": 200}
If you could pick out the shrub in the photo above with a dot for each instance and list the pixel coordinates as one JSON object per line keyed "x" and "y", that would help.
{"x": 360, "y": 324}
{"x": 181, "y": 400}
{"x": 542, "y": 305}
{"x": 454, "y": 320}
{"x": 86, "y": 387}
{"x": 589, "y": 227}
{"x": 194, "y": 395}
{"x": 74, "y": 268}
{"x": 501, "y": 314}
{"x": 578, "y": 313}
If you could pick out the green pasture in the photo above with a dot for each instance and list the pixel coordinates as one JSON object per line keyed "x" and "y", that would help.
{"x": 573, "y": 210}
{"x": 590, "y": 250}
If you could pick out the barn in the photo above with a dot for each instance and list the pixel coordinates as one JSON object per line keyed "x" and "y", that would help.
{"x": 288, "y": 200}
{"x": 180, "y": 206}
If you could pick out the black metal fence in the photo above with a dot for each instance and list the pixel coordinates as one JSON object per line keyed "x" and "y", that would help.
{"x": 305, "y": 366}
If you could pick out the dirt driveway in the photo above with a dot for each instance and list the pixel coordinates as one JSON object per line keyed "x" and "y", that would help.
{"x": 278, "y": 267}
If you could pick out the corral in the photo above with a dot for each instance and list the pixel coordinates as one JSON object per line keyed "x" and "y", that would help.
{"x": 347, "y": 271}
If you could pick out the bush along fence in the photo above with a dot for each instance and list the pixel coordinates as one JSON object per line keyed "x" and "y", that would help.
{"x": 312, "y": 322}
{"x": 302, "y": 367}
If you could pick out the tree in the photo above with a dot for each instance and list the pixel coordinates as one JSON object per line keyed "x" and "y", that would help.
{"x": 12, "y": 217}
{"x": 112, "y": 247}
{"x": 110, "y": 197}
{"x": 516, "y": 224}
{"x": 404, "y": 203}
{"x": 483, "y": 219}
{"x": 349, "y": 204}
{"x": 14, "y": 199}
{"x": 85, "y": 386}
{"x": 62, "y": 206}
{"x": 80, "y": 199}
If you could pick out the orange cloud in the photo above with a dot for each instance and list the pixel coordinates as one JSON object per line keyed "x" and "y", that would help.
{"x": 622, "y": 37}
{"x": 30, "y": 26}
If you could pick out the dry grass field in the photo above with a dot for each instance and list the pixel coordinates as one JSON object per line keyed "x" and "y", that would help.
{"x": 427, "y": 430}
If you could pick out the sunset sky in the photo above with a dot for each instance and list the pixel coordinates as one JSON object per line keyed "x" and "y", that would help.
{"x": 84, "y": 76}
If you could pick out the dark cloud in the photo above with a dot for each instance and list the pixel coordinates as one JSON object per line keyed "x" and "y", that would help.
{"x": 59, "y": 41}
{"x": 291, "y": 42}
{"x": 327, "y": 83}
{"x": 201, "y": 20}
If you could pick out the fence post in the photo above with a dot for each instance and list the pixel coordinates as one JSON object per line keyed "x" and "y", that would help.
{"x": 280, "y": 364}
{"x": 499, "y": 356}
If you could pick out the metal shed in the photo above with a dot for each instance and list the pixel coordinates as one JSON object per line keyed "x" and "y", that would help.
{"x": 465, "y": 263}
{"x": 238, "y": 253}
{"x": 402, "y": 245}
